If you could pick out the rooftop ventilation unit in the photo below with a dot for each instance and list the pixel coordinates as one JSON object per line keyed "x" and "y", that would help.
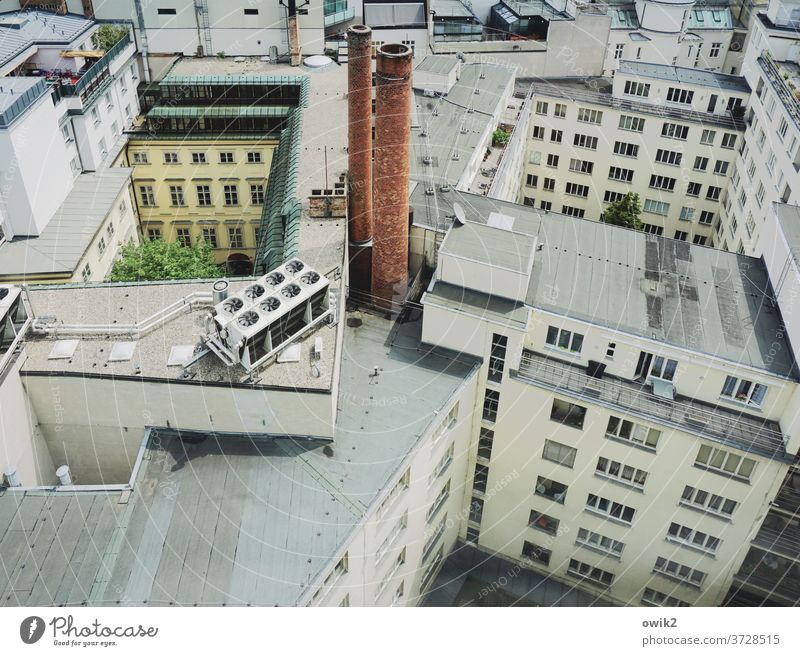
{"x": 252, "y": 326}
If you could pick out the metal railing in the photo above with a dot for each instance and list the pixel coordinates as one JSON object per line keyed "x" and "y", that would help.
{"x": 714, "y": 422}
{"x": 340, "y": 17}
{"x": 773, "y": 74}
{"x": 784, "y": 541}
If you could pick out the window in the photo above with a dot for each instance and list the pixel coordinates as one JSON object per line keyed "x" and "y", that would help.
{"x": 437, "y": 504}
{"x": 581, "y": 166}
{"x": 541, "y": 107}
{"x": 706, "y": 217}
{"x": 397, "y": 529}
{"x": 729, "y": 140}
{"x": 680, "y": 235}
{"x": 169, "y": 11}
{"x": 693, "y": 538}
{"x": 546, "y": 205}
{"x": 626, "y": 149}
{"x": 231, "y": 192}
{"x": 560, "y": 453}
{"x": 567, "y": 413}
{"x": 612, "y": 196}
{"x": 589, "y": 574}
{"x": 700, "y": 240}
{"x": 707, "y": 137}
{"x": 153, "y": 233}
{"x": 744, "y": 391}
{"x": 66, "y": 133}
{"x": 497, "y": 357}
{"x": 529, "y": 201}
{"x": 560, "y": 110}
{"x": 110, "y": 229}
{"x": 677, "y": 95}
{"x": 147, "y": 196}
{"x": 140, "y": 158}
{"x": 636, "y": 88}
{"x": 617, "y": 173}
{"x": 610, "y": 508}
{"x": 650, "y": 229}
{"x": 549, "y": 184}
{"x": 95, "y": 115}
{"x": 573, "y": 211}
{"x": 760, "y": 194}
{"x": 204, "y": 195}
{"x": 662, "y": 182}
{"x": 101, "y": 245}
{"x": 542, "y": 522}
{"x": 485, "y": 441}
{"x": 531, "y": 180}
{"x": 170, "y": 158}
{"x": 585, "y": 141}
{"x": 480, "y": 479}
{"x": 254, "y": 157}
{"x": 176, "y": 195}
{"x": 556, "y": 136}
{"x": 631, "y": 123}
{"x": 183, "y": 236}
{"x": 226, "y": 158}
{"x": 655, "y": 207}
{"x": 564, "y": 339}
{"x": 491, "y": 399}
{"x": 114, "y": 128}
{"x": 712, "y": 193}
{"x": 573, "y": 189}
{"x": 782, "y": 127}
{"x": 536, "y": 553}
{"x": 235, "y": 239}
{"x": 621, "y": 472}
{"x": 619, "y": 50}
{"x": 693, "y": 189}
{"x": 552, "y": 161}
{"x": 721, "y": 167}
{"x": 399, "y": 487}
{"x": 700, "y": 163}
{"x": 674, "y": 131}
{"x": 199, "y": 158}
{"x": 650, "y": 366}
{"x": 257, "y": 194}
{"x": 676, "y": 571}
{"x": 551, "y": 489}
{"x": 589, "y": 116}
{"x": 599, "y": 542}
{"x": 86, "y": 273}
{"x": 433, "y": 539}
{"x": 210, "y": 236}
{"x": 538, "y": 132}
{"x": 709, "y": 457}
{"x": 668, "y": 157}
{"x": 687, "y": 214}
{"x": 707, "y": 502}
{"x": 101, "y": 146}
{"x": 250, "y": 12}
{"x": 715, "y": 48}
{"x": 652, "y": 597}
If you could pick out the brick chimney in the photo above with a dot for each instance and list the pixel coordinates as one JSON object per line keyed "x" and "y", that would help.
{"x": 359, "y": 153}
{"x": 294, "y": 32}
{"x": 392, "y": 163}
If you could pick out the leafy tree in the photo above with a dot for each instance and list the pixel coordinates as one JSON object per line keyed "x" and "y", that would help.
{"x": 624, "y": 212}
{"x": 159, "y": 260}
{"x": 500, "y": 137}
{"x": 108, "y": 35}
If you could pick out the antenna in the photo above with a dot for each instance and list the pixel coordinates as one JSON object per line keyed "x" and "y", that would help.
{"x": 461, "y": 218}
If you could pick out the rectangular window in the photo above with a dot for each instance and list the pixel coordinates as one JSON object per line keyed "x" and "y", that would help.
{"x": 678, "y": 572}
{"x": 650, "y": 229}
{"x": 542, "y": 522}
{"x": 662, "y": 182}
{"x": 254, "y": 157}
{"x": 485, "y": 441}
{"x": 708, "y": 502}
{"x": 226, "y": 157}
{"x": 560, "y": 453}
{"x": 574, "y": 189}
{"x": 621, "y": 472}
{"x": 480, "y": 479}
{"x": 556, "y": 136}
{"x": 693, "y": 189}
{"x": 568, "y": 414}
{"x": 204, "y": 195}
{"x": 198, "y": 158}
{"x": 589, "y": 574}
{"x": 573, "y": 211}
{"x": 655, "y": 207}
{"x": 140, "y": 158}
{"x": 257, "y": 194}
{"x": 612, "y": 196}
{"x": 564, "y": 339}
{"x": 491, "y": 400}
{"x": 546, "y": 205}
{"x": 715, "y": 459}
{"x": 652, "y": 597}
{"x": 147, "y": 196}
{"x": 670, "y": 157}
{"x": 707, "y": 137}
{"x": 176, "y": 196}
{"x": 700, "y": 240}
{"x": 585, "y": 141}
{"x": 541, "y": 107}
{"x": 637, "y": 89}
{"x": 231, "y": 192}
{"x": 183, "y": 236}
{"x": 610, "y": 508}
{"x": 619, "y": 50}
{"x": 560, "y": 110}
{"x": 626, "y": 149}
{"x": 687, "y": 213}
{"x": 551, "y": 489}
{"x": 729, "y": 140}
{"x": 437, "y": 504}
{"x": 693, "y": 538}
{"x": 715, "y": 48}
{"x": 631, "y": 123}
{"x": 700, "y": 163}
{"x": 589, "y": 116}
{"x": 678, "y": 95}
{"x": 681, "y": 235}
{"x": 744, "y": 391}
{"x": 552, "y": 161}
{"x": 536, "y": 553}
{"x": 153, "y": 233}
{"x": 581, "y": 166}
{"x": 170, "y": 158}
{"x": 617, "y": 173}
{"x": 497, "y": 357}
{"x": 675, "y": 131}
{"x": 538, "y": 132}
{"x": 706, "y": 217}
{"x": 210, "y": 236}
{"x": 235, "y": 239}
{"x": 168, "y": 11}
{"x": 531, "y": 180}
{"x": 549, "y": 184}
{"x": 599, "y": 542}
{"x": 721, "y": 167}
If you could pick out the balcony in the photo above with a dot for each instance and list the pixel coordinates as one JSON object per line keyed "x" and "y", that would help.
{"x": 716, "y": 423}
{"x": 770, "y": 573}
{"x": 785, "y": 80}
{"x": 788, "y": 497}
{"x": 780, "y": 534}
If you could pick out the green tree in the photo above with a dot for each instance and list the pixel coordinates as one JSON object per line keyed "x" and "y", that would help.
{"x": 108, "y": 35}
{"x": 624, "y": 212}
{"x": 158, "y": 260}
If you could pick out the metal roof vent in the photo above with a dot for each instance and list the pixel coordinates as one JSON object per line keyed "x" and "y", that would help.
{"x": 310, "y": 278}
{"x": 270, "y": 304}
{"x": 290, "y": 291}
{"x": 121, "y": 351}
{"x": 63, "y": 349}
{"x": 247, "y": 319}
{"x": 294, "y": 266}
{"x": 232, "y": 305}
{"x": 254, "y": 291}
{"x": 274, "y": 279}
{"x": 430, "y": 191}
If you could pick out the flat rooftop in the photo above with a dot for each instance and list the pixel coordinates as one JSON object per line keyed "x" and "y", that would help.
{"x": 701, "y": 299}
{"x": 20, "y": 30}
{"x": 682, "y": 75}
{"x": 229, "y": 520}
{"x": 64, "y": 240}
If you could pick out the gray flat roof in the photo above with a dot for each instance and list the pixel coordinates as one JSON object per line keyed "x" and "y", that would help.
{"x": 64, "y": 240}
{"x": 478, "y": 304}
{"x": 12, "y": 87}
{"x": 441, "y": 64}
{"x": 444, "y": 137}
{"x": 490, "y": 245}
{"x": 789, "y": 221}
{"x": 450, "y": 9}
{"x": 681, "y": 75}
{"x": 701, "y": 299}
{"x": 20, "y": 30}
{"x": 231, "y": 519}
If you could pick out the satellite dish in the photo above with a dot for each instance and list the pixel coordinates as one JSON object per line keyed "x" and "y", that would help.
{"x": 461, "y": 218}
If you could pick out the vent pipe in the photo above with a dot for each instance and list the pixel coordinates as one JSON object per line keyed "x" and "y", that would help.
{"x": 359, "y": 153}
{"x": 219, "y": 291}
{"x": 64, "y": 476}
{"x": 392, "y": 153}
{"x": 10, "y": 474}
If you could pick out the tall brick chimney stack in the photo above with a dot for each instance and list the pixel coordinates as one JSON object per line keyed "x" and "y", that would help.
{"x": 294, "y": 32}
{"x": 392, "y": 164}
{"x": 359, "y": 153}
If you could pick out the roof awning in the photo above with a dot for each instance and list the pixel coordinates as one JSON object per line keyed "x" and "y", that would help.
{"x": 94, "y": 54}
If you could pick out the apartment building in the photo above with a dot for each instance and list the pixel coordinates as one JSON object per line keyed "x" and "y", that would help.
{"x": 769, "y": 156}
{"x": 636, "y": 412}
{"x": 667, "y": 133}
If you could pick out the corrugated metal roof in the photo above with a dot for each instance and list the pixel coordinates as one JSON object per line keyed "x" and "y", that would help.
{"x": 23, "y": 29}
{"x": 682, "y": 75}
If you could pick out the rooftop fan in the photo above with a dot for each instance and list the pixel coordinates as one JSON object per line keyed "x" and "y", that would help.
{"x": 294, "y": 266}
{"x": 310, "y": 278}
{"x": 247, "y": 319}
{"x": 270, "y": 304}
{"x": 275, "y": 279}
{"x": 233, "y": 304}
{"x": 290, "y": 291}
{"x": 254, "y": 291}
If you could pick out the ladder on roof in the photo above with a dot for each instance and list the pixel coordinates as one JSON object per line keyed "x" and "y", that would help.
{"x": 203, "y": 25}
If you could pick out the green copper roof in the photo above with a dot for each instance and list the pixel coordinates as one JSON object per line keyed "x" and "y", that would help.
{"x": 240, "y": 80}
{"x": 219, "y": 111}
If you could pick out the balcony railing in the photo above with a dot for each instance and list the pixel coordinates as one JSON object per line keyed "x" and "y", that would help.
{"x": 784, "y": 540}
{"x": 786, "y": 95}
{"x": 94, "y": 79}
{"x": 772, "y": 573}
{"x": 720, "y": 424}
